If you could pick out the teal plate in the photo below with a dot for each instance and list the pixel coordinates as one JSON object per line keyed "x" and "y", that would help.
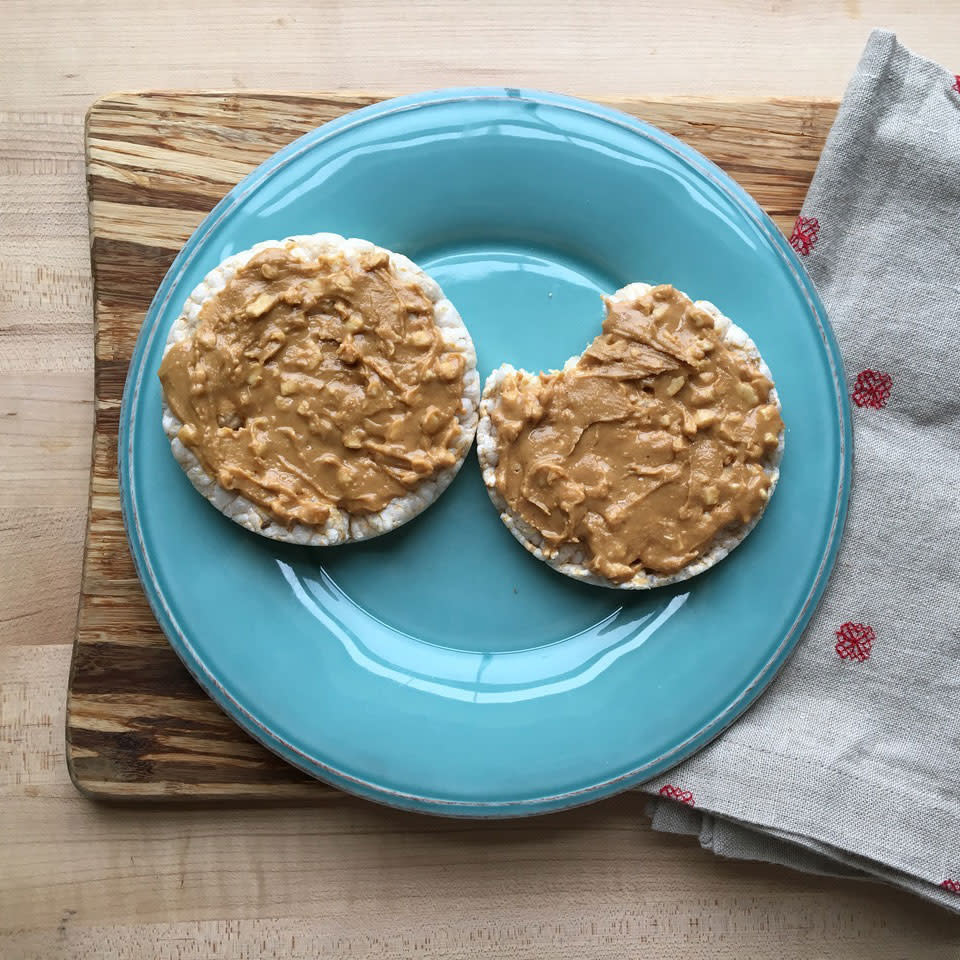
{"x": 441, "y": 668}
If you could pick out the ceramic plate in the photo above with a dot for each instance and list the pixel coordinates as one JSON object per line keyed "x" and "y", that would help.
{"x": 440, "y": 667}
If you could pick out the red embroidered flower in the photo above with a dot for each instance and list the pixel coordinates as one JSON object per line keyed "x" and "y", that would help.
{"x": 854, "y": 641}
{"x": 956, "y": 83}
{"x": 805, "y": 233}
{"x": 952, "y": 885}
{"x": 872, "y": 389}
{"x": 675, "y": 793}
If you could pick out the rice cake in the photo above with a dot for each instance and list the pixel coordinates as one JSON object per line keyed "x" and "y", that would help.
{"x": 279, "y": 316}
{"x": 558, "y": 507}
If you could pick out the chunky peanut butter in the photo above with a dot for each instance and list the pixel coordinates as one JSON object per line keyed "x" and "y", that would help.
{"x": 312, "y": 386}
{"x": 644, "y": 450}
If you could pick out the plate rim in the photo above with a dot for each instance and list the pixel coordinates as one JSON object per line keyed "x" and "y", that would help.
{"x": 207, "y": 678}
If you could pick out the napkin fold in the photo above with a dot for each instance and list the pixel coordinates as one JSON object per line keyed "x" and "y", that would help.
{"x": 850, "y": 763}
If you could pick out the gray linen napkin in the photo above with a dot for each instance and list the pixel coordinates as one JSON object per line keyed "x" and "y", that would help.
{"x": 850, "y": 764}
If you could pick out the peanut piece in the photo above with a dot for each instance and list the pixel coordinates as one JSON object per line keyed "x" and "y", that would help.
{"x": 261, "y": 305}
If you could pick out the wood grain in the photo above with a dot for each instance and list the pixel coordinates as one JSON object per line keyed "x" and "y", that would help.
{"x": 739, "y": 47}
{"x": 137, "y": 724}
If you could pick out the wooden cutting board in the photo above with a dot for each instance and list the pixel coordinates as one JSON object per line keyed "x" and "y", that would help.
{"x": 137, "y": 724}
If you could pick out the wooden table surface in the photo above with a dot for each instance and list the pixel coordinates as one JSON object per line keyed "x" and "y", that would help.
{"x": 79, "y": 879}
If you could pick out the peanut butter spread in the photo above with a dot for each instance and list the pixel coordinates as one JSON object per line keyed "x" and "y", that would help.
{"x": 641, "y": 452}
{"x": 320, "y": 385}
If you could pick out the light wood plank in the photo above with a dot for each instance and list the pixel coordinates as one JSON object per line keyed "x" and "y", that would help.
{"x": 712, "y": 46}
